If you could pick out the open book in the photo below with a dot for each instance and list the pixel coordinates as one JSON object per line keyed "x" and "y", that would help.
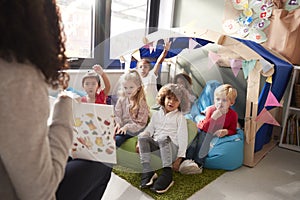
{"x": 94, "y": 132}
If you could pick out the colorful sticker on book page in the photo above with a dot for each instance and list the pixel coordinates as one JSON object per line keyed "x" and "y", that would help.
{"x": 94, "y": 132}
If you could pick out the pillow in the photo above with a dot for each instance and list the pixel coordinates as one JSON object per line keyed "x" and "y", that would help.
{"x": 80, "y": 93}
{"x": 226, "y": 153}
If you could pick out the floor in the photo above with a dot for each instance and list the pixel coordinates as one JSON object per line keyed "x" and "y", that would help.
{"x": 275, "y": 177}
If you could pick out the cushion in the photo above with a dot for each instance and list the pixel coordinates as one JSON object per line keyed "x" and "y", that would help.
{"x": 127, "y": 157}
{"x": 226, "y": 153}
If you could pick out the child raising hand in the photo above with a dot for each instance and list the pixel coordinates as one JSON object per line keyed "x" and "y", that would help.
{"x": 149, "y": 76}
{"x": 91, "y": 83}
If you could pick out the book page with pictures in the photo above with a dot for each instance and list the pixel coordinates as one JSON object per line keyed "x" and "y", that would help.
{"x": 94, "y": 132}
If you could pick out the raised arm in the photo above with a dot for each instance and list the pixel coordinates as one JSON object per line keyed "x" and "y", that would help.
{"x": 99, "y": 70}
{"x": 161, "y": 57}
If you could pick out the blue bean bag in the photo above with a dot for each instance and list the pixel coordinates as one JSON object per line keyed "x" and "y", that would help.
{"x": 226, "y": 153}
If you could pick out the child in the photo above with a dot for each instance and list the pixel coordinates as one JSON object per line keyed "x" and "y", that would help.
{"x": 149, "y": 76}
{"x": 167, "y": 135}
{"x": 131, "y": 109}
{"x": 186, "y": 81}
{"x": 92, "y": 86}
{"x": 220, "y": 121}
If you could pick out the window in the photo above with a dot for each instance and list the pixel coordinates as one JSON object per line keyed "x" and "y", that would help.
{"x": 126, "y": 16}
{"x": 94, "y": 28}
{"x": 77, "y": 17}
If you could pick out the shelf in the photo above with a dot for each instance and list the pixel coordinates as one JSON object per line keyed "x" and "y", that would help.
{"x": 295, "y": 109}
{"x": 290, "y": 147}
{"x": 290, "y": 109}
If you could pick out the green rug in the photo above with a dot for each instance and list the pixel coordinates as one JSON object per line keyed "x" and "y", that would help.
{"x": 183, "y": 188}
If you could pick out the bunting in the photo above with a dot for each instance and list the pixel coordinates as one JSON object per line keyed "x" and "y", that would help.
{"x": 266, "y": 117}
{"x": 248, "y": 67}
{"x": 236, "y": 65}
{"x": 271, "y": 100}
{"x": 213, "y": 58}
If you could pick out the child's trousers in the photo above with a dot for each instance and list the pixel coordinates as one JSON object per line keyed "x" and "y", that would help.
{"x": 163, "y": 147}
{"x": 199, "y": 147}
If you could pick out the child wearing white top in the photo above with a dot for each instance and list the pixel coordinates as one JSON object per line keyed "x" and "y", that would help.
{"x": 149, "y": 76}
{"x": 166, "y": 135}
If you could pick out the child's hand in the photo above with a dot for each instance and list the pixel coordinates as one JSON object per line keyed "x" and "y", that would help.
{"x": 216, "y": 114}
{"x": 117, "y": 127}
{"x": 137, "y": 147}
{"x": 98, "y": 69}
{"x": 122, "y": 131}
{"x": 176, "y": 164}
{"x": 221, "y": 133}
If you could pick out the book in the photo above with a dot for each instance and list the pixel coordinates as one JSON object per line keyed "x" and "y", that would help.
{"x": 94, "y": 132}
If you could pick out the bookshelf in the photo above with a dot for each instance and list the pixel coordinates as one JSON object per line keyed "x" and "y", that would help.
{"x": 290, "y": 135}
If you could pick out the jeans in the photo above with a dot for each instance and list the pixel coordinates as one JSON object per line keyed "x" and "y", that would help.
{"x": 163, "y": 147}
{"x": 199, "y": 147}
{"x": 121, "y": 138}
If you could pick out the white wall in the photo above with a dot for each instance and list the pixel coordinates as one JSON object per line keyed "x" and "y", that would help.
{"x": 207, "y": 14}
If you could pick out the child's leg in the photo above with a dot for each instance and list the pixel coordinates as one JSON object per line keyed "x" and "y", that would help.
{"x": 191, "y": 151}
{"x": 121, "y": 138}
{"x": 168, "y": 153}
{"x": 203, "y": 148}
{"x": 146, "y": 144}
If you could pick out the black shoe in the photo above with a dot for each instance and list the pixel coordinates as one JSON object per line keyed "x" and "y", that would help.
{"x": 164, "y": 181}
{"x": 147, "y": 179}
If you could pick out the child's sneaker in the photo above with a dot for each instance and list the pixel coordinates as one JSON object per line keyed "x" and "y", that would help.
{"x": 147, "y": 179}
{"x": 164, "y": 181}
{"x": 189, "y": 167}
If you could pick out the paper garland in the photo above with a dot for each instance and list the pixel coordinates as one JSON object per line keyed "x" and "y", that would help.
{"x": 266, "y": 117}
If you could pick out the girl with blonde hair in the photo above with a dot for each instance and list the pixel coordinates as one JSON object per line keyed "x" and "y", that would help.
{"x": 131, "y": 110}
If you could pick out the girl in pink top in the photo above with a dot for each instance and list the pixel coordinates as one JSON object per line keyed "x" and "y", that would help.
{"x": 131, "y": 110}
{"x": 92, "y": 86}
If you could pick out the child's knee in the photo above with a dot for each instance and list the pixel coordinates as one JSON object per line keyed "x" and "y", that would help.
{"x": 143, "y": 135}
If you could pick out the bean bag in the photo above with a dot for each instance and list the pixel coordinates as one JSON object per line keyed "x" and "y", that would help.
{"x": 127, "y": 157}
{"x": 226, "y": 153}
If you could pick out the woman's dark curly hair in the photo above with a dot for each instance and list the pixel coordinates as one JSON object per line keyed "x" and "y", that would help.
{"x": 177, "y": 91}
{"x": 31, "y": 31}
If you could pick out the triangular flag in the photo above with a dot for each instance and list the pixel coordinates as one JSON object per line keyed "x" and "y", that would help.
{"x": 154, "y": 45}
{"x": 151, "y": 48}
{"x": 271, "y": 100}
{"x": 235, "y": 65}
{"x": 266, "y": 66}
{"x": 269, "y": 79}
{"x": 212, "y": 59}
{"x": 265, "y": 117}
{"x": 136, "y": 54}
{"x": 248, "y": 67}
{"x": 192, "y": 43}
{"x": 127, "y": 60}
